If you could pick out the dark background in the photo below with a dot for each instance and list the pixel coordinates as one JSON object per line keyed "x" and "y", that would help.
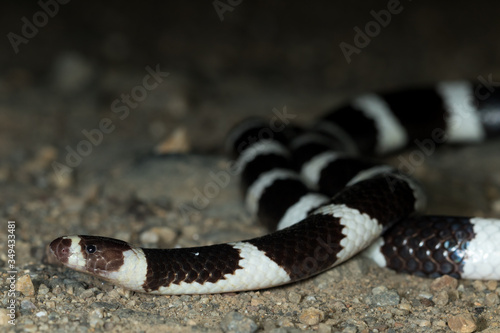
{"x": 260, "y": 56}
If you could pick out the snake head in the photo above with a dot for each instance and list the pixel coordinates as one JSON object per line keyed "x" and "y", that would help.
{"x": 90, "y": 254}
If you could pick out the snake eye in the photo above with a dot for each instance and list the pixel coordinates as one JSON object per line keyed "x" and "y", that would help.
{"x": 90, "y": 249}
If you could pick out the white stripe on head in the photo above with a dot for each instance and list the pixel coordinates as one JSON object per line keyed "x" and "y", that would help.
{"x": 132, "y": 274}
{"x": 76, "y": 260}
{"x": 391, "y": 135}
{"x": 462, "y": 122}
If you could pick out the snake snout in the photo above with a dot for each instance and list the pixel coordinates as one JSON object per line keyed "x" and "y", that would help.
{"x": 61, "y": 249}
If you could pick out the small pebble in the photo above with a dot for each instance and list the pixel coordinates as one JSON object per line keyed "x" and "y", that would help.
{"x": 96, "y": 322}
{"x": 425, "y": 295}
{"x": 236, "y": 322}
{"x": 294, "y": 297}
{"x": 124, "y": 235}
{"x": 439, "y": 323}
{"x": 177, "y": 142}
{"x": 149, "y": 237}
{"x": 41, "y": 314}
{"x": 403, "y": 309}
{"x": 54, "y": 317}
{"x": 167, "y": 235}
{"x": 30, "y": 328}
{"x": 4, "y": 317}
{"x": 444, "y": 282}
{"x": 405, "y": 305}
{"x": 87, "y": 293}
{"x": 256, "y": 302}
{"x": 453, "y": 295}
{"x": 350, "y": 329}
{"x": 27, "y": 305}
{"x": 463, "y": 323}
{"x": 190, "y": 322}
{"x": 338, "y": 305}
{"x": 285, "y": 322}
{"x": 491, "y": 299}
{"x": 104, "y": 305}
{"x": 427, "y": 302}
{"x": 442, "y": 298}
{"x": 310, "y": 299}
{"x": 268, "y": 325}
{"x": 424, "y": 323}
{"x": 43, "y": 289}
{"x": 324, "y": 328}
{"x": 311, "y": 316}
{"x": 379, "y": 290}
{"x": 97, "y": 313}
{"x": 492, "y": 285}
{"x": 25, "y": 286}
{"x": 479, "y": 285}
{"x": 50, "y": 304}
{"x": 381, "y": 296}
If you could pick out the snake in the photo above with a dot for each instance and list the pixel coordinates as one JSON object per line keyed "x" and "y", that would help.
{"x": 324, "y": 198}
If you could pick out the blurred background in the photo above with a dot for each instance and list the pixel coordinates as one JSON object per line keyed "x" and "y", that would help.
{"x": 225, "y": 59}
{"x": 86, "y": 87}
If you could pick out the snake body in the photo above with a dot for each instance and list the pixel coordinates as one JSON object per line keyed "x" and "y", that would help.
{"x": 325, "y": 201}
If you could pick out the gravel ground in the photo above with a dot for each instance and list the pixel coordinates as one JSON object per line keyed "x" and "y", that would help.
{"x": 69, "y": 81}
